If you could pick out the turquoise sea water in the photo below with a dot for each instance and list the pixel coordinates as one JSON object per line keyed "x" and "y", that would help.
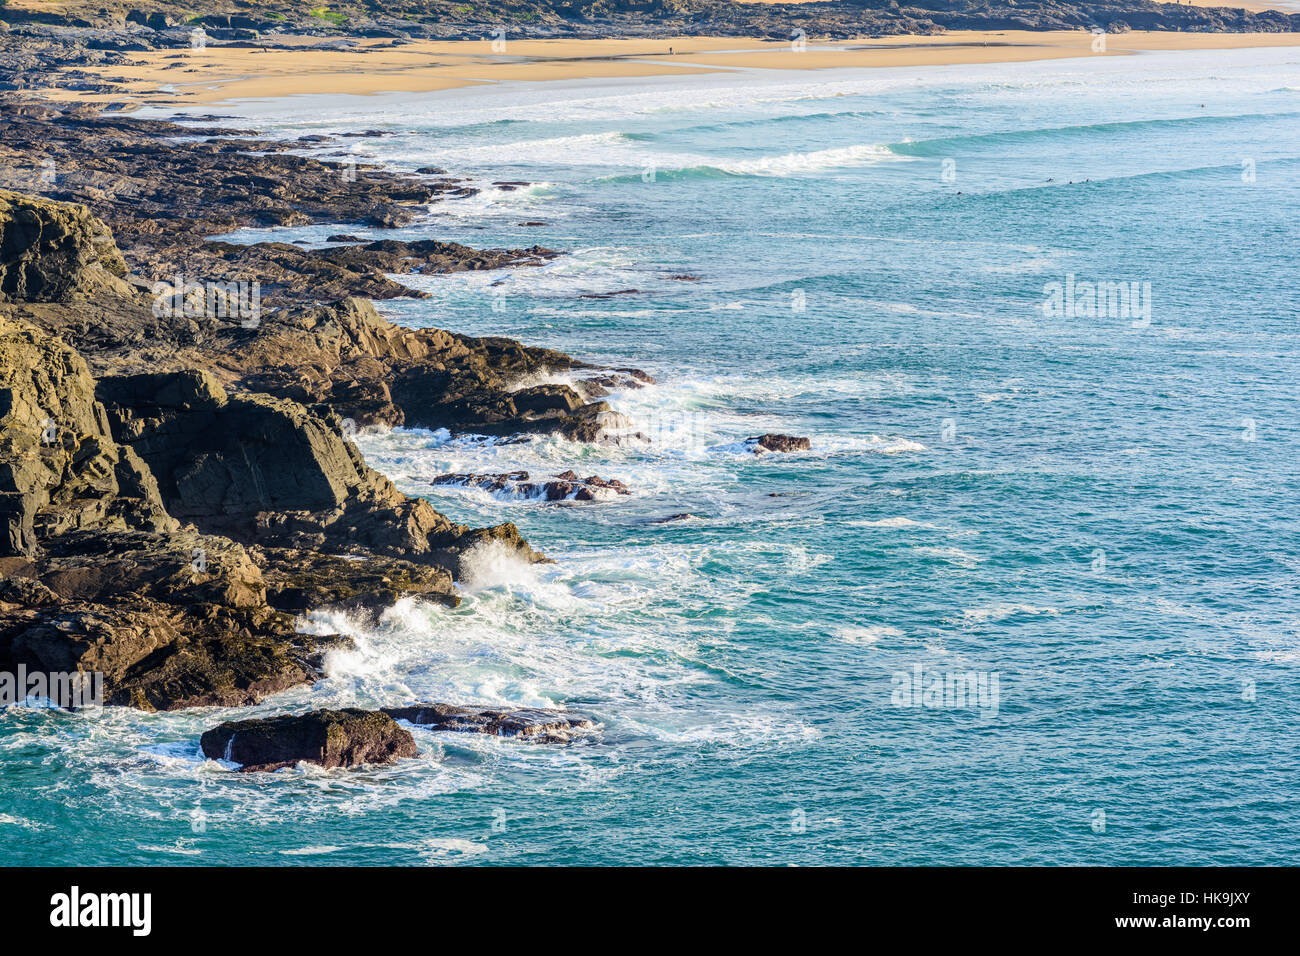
{"x": 1095, "y": 515}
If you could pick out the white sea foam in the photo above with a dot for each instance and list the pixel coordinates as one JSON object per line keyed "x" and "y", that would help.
{"x": 993, "y": 613}
{"x": 450, "y": 850}
{"x": 1023, "y": 266}
{"x": 902, "y": 522}
{"x": 803, "y": 561}
{"x": 891, "y": 445}
{"x": 10, "y": 820}
{"x": 896, "y": 521}
{"x": 179, "y": 848}
{"x": 500, "y": 648}
{"x": 731, "y": 730}
{"x": 793, "y": 163}
{"x": 599, "y": 149}
{"x": 585, "y": 270}
{"x": 518, "y": 202}
{"x": 616, "y": 150}
{"x": 495, "y": 564}
{"x": 310, "y": 850}
{"x": 866, "y": 634}
{"x": 952, "y": 555}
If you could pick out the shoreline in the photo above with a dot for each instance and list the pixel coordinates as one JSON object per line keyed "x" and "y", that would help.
{"x": 222, "y": 74}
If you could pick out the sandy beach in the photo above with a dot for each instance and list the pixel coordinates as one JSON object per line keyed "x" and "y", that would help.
{"x": 219, "y": 74}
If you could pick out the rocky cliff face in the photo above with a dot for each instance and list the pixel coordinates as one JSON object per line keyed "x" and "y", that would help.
{"x": 60, "y": 469}
{"x": 48, "y": 250}
{"x": 267, "y": 471}
{"x": 163, "y": 530}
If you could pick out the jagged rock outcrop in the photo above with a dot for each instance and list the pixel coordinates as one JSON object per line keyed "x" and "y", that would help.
{"x": 170, "y": 620}
{"x": 170, "y": 616}
{"x": 349, "y": 359}
{"x": 60, "y": 469}
{"x": 49, "y": 249}
{"x": 329, "y": 738}
{"x": 266, "y": 471}
{"x": 532, "y": 724}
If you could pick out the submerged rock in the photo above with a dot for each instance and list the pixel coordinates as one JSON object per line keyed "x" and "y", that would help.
{"x": 566, "y": 486}
{"x": 542, "y": 726}
{"x": 609, "y": 295}
{"x": 329, "y": 738}
{"x": 682, "y": 516}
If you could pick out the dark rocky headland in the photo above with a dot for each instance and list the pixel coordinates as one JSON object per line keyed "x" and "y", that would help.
{"x": 177, "y": 484}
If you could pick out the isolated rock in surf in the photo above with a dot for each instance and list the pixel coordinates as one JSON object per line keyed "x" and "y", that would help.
{"x": 328, "y": 738}
{"x": 781, "y": 443}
